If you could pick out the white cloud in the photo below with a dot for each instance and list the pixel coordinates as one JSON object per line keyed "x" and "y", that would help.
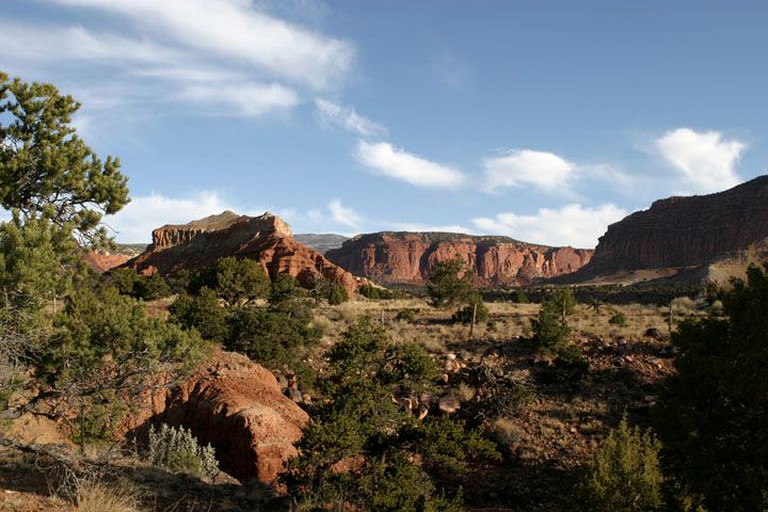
{"x": 705, "y": 159}
{"x": 251, "y": 99}
{"x": 234, "y": 30}
{"x": 397, "y": 163}
{"x": 571, "y": 224}
{"x": 345, "y": 216}
{"x": 225, "y": 56}
{"x": 347, "y": 118}
{"x": 50, "y": 44}
{"x": 135, "y": 222}
{"x": 417, "y": 226}
{"x": 522, "y": 167}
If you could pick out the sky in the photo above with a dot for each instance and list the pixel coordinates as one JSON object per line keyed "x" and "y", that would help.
{"x": 544, "y": 120}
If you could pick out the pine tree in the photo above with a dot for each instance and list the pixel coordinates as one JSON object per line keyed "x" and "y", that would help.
{"x": 46, "y": 171}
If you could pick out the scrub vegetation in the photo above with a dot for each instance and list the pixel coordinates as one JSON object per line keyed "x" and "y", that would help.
{"x": 536, "y": 400}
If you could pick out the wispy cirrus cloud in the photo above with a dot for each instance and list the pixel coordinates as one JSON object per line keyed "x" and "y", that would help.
{"x": 236, "y": 31}
{"x": 397, "y": 163}
{"x": 343, "y": 215}
{"x": 224, "y": 56}
{"x": 705, "y": 160}
{"x": 347, "y": 118}
{"x": 526, "y": 167}
{"x": 572, "y": 224}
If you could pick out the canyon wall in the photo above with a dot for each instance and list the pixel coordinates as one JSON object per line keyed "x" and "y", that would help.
{"x": 685, "y": 231}
{"x": 389, "y": 258}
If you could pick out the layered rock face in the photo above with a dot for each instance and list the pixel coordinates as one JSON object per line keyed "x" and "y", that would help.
{"x": 685, "y": 231}
{"x": 266, "y": 239}
{"x": 390, "y": 258}
{"x": 237, "y": 406}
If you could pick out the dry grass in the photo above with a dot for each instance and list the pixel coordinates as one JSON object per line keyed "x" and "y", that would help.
{"x": 432, "y": 329}
{"x": 506, "y": 433}
{"x": 101, "y": 497}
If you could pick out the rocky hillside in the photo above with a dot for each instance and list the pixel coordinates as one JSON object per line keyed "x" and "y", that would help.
{"x": 389, "y": 257}
{"x": 266, "y": 239}
{"x": 103, "y": 260}
{"x": 681, "y": 232}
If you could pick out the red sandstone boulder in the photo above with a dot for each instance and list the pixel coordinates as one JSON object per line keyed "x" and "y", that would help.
{"x": 238, "y": 407}
{"x": 496, "y": 261}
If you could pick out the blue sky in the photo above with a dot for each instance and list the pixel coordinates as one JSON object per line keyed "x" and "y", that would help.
{"x": 541, "y": 120}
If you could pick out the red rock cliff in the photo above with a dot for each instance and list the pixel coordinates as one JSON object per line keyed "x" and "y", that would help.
{"x": 407, "y": 257}
{"x": 266, "y": 239}
{"x": 685, "y": 231}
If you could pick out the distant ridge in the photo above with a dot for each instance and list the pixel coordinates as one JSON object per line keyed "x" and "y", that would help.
{"x": 684, "y": 233}
{"x": 391, "y": 257}
{"x": 322, "y": 243}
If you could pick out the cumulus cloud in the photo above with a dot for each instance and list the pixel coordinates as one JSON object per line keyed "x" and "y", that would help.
{"x": 396, "y": 163}
{"x": 343, "y": 215}
{"x": 571, "y": 224}
{"x": 705, "y": 160}
{"x": 347, "y": 118}
{"x": 225, "y": 56}
{"x": 541, "y": 169}
{"x": 135, "y": 222}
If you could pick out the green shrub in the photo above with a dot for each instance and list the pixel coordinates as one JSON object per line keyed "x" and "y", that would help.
{"x": 406, "y": 315}
{"x": 521, "y": 297}
{"x": 274, "y": 339}
{"x": 151, "y": 287}
{"x": 446, "y": 287}
{"x": 129, "y": 282}
{"x": 337, "y": 294}
{"x": 570, "y": 365}
{"x": 619, "y": 319}
{"x": 550, "y": 329}
{"x": 375, "y": 292}
{"x": 283, "y": 291}
{"x": 202, "y": 312}
{"x": 712, "y": 415}
{"x": 624, "y": 474}
{"x": 177, "y": 449}
{"x": 464, "y": 315}
{"x": 104, "y": 351}
{"x": 237, "y": 281}
{"x": 403, "y": 462}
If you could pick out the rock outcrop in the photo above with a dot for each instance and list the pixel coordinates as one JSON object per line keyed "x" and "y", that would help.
{"x": 238, "y": 407}
{"x": 101, "y": 261}
{"x": 266, "y": 239}
{"x": 681, "y": 232}
{"x": 390, "y": 258}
